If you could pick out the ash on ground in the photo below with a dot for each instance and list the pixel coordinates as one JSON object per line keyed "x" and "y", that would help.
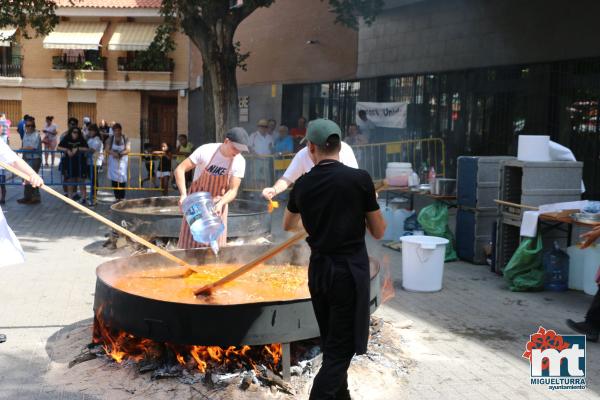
{"x": 76, "y": 366}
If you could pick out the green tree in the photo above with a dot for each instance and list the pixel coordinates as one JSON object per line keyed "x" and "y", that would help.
{"x": 35, "y": 14}
{"x": 211, "y": 26}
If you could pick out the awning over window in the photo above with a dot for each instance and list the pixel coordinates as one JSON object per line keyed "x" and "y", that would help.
{"x": 76, "y": 36}
{"x": 5, "y": 33}
{"x": 132, "y": 37}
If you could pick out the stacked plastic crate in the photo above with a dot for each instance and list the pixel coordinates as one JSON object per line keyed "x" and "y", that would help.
{"x": 477, "y": 187}
{"x": 531, "y": 184}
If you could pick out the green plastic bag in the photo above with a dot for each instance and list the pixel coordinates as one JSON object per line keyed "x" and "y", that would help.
{"x": 434, "y": 221}
{"x": 524, "y": 272}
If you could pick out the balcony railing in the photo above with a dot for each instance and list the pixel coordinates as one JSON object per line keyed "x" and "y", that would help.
{"x": 12, "y": 68}
{"x": 79, "y": 62}
{"x": 137, "y": 64}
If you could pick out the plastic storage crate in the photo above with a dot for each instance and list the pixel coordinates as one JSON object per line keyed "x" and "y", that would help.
{"x": 478, "y": 181}
{"x": 474, "y": 230}
{"x": 508, "y": 238}
{"x": 537, "y": 183}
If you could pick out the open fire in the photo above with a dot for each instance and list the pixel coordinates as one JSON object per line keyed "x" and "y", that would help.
{"x": 122, "y": 346}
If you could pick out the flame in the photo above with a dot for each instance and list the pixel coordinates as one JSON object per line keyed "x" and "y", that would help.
{"x": 387, "y": 287}
{"x": 121, "y": 346}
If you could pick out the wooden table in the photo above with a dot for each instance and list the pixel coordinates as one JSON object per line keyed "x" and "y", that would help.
{"x": 552, "y": 220}
{"x": 409, "y": 194}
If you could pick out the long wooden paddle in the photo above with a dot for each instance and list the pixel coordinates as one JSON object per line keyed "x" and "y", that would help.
{"x": 98, "y": 217}
{"x": 206, "y": 290}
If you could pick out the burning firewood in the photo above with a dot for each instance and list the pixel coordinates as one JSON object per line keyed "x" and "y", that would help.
{"x": 269, "y": 378}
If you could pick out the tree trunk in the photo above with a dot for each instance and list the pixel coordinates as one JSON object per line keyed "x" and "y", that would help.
{"x": 224, "y": 93}
{"x": 208, "y": 110}
{"x": 219, "y": 58}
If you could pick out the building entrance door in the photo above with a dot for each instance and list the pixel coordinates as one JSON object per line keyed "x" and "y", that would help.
{"x": 162, "y": 120}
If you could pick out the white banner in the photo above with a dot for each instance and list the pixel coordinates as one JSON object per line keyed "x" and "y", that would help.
{"x": 385, "y": 115}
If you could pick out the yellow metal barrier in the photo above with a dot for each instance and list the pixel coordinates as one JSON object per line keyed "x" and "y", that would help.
{"x": 263, "y": 171}
{"x": 141, "y": 173}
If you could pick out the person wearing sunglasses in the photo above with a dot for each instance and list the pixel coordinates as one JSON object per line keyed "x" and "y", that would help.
{"x": 32, "y": 155}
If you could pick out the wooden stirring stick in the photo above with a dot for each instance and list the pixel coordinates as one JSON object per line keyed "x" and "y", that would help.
{"x": 116, "y": 227}
{"x": 206, "y": 290}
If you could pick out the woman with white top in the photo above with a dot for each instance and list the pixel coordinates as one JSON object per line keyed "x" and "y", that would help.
{"x": 117, "y": 147}
{"x": 32, "y": 146}
{"x": 95, "y": 157}
{"x": 10, "y": 249}
{"x": 50, "y": 140}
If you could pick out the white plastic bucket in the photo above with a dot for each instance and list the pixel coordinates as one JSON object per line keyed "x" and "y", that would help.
{"x": 591, "y": 263}
{"x": 534, "y": 148}
{"x": 423, "y": 263}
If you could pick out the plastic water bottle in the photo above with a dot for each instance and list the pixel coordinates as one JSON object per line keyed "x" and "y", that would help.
{"x": 556, "y": 267}
{"x": 205, "y": 225}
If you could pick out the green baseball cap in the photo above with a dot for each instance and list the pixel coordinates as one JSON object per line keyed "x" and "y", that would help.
{"x": 320, "y": 129}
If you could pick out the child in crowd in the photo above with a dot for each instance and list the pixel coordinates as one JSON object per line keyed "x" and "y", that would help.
{"x": 148, "y": 164}
{"x": 163, "y": 171}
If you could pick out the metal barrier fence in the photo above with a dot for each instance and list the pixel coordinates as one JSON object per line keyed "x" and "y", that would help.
{"x": 80, "y": 171}
{"x": 374, "y": 157}
{"x": 52, "y": 176}
{"x": 140, "y": 173}
{"x": 263, "y": 171}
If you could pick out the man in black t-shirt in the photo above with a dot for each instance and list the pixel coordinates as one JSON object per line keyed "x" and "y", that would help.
{"x": 336, "y": 204}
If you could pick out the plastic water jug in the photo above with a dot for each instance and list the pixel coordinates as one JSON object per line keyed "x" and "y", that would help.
{"x": 576, "y": 266}
{"x": 590, "y": 266}
{"x": 205, "y": 225}
{"x": 556, "y": 267}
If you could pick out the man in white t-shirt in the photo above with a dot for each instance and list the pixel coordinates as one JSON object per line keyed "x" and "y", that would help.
{"x": 261, "y": 142}
{"x": 366, "y": 126}
{"x": 301, "y": 164}
{"x": 218, "y": 169}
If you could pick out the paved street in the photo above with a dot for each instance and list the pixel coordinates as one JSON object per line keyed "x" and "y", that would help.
{"x": 465, "y": 341}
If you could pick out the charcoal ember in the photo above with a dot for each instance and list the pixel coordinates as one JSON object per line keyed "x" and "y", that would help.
{"x": 174, "y": 371}
{"x": 148, "y": 366}
{"x": 221, "y": 379}
{"x": 83, "y": 357}
{"x": 312, "y": 353}
{"x": 191, "y": 378}
{"x": 247, "y": 380}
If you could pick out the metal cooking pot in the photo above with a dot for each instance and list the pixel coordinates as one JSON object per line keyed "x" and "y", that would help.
{"x": 161, "y": 217}
{"x": 210, "y": 324}
{"x": 444, "y": 187}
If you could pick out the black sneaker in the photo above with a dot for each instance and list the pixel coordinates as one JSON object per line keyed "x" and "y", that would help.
{"x": 584, "y": 328}
{"x": 77, "y": 197}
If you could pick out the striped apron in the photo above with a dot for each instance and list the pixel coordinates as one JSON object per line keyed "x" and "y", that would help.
{"x": 216, "y": 185}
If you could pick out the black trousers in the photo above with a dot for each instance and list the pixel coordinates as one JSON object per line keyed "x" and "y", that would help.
{"x": 119, "y": 194}
{"x": 29, "y": 192}
{"x": 593, "y": 315}
{"x": 335, "y": 312}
